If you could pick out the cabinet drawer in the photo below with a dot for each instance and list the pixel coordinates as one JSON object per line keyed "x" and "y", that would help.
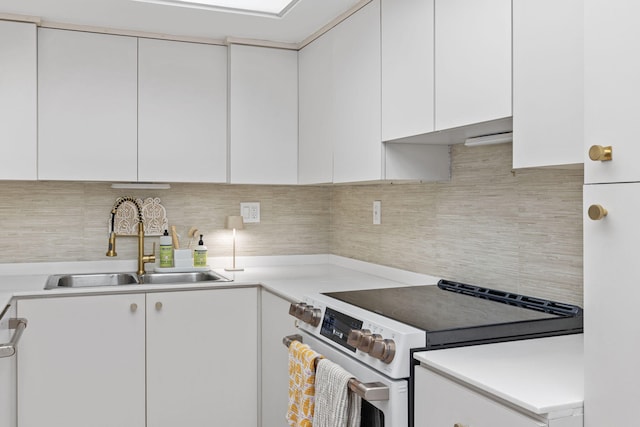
{"x": 441, "y": 402}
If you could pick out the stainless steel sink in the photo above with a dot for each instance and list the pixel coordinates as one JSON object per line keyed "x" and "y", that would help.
{"x": 90, "y": 280}
{"x": 190, "y": 277}
{"x": 115, "y": 279}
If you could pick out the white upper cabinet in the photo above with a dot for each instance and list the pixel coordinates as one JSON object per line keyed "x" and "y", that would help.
{"x": 407, "y": 68}
{"x": 263, "y": 115}
{"x": 182, "y": 112}
{"x": 472, "y": 61}
{"x": 18, "y": 101}
{"x": 356, "y": 107}
{"x": 315, "y": 145}
{"x": 87, "y": 106}
{"x": 612, "y": 89}
{"x": 548, "y": 108}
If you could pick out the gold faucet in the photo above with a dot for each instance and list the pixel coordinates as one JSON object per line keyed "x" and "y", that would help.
{"x": 142, "y": 258}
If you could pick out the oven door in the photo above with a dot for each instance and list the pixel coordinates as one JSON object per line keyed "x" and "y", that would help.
{"x": 391, "y": 412}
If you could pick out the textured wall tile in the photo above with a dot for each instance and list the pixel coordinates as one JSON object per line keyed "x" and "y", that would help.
{"x": 488, "y": 226}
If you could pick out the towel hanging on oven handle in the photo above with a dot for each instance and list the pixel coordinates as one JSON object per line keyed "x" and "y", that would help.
{"x": 375, "y": 391}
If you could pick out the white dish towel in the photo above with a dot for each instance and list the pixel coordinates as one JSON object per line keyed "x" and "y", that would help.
{"x": 336, "y": 405}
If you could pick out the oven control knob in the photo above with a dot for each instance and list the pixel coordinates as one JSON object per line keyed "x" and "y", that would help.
{"x": 356, "y": 336}
{"x": 311, "y": 315}
{"x": 296, "y": 310}
{"x": 366, "y": 344}
{"x": 384, "y": 350}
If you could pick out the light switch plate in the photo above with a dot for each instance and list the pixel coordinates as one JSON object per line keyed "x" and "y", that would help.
{"x": 250, "y": 211}
{"x": 377, "y": 212}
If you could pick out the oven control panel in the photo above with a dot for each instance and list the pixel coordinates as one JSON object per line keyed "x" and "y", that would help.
{"x": 373, "y": 339}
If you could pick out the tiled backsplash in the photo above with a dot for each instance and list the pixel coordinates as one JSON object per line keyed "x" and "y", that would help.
{"x": 488, "y": 226}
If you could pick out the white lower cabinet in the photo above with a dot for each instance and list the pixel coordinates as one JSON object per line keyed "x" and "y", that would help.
{"x": 8, "y": 375}
{"x": 276, "y": 324}
{"x": 202, "y": 358}
{"x": 100, "y": 361}
{"x": 81, "y": 362}
{"x": 441, "y": 402}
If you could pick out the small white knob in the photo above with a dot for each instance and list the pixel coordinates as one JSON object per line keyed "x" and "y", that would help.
{"x": 158, "y": 306}
{"x": 134, "y": 307}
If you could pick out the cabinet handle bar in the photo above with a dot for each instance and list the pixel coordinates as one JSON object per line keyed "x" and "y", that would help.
{"x": 9, "y": 349}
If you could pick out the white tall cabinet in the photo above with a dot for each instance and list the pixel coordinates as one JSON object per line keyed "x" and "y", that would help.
{"x": 18, "y": 101}
{"x": 182, "y": 111}
{"x": 87, "y": 106}
{"x": 263, "y": 85}
{"x": 472, "y": 61}
{"x": 611, "y": 268}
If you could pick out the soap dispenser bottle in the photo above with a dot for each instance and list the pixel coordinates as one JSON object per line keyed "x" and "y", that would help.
{"x": 200, "y": 254}
{"x": 166, "y": 250}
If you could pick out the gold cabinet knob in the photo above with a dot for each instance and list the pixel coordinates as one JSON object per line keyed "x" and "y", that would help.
{"x": 597, "y": 212}
{"x": 133, "y": 307}
{"x": 158, "y": 306}
{"x": 600, "y": 153}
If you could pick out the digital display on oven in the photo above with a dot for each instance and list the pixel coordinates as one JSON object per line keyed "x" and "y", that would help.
{"x": 336, "y": 326}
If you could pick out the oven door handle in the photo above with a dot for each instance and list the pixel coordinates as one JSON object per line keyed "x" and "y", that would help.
{"x": 368, "y": 391}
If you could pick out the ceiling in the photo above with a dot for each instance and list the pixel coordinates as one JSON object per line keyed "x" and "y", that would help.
{"x": 304, "y": 19}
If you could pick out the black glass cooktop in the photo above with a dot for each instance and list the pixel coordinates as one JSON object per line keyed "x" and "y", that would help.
{"x": 454, "y": 314}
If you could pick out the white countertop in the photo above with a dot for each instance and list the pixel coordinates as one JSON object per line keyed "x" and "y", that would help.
{"x": 289, "y": 277}
{"x": 544, "y": 376}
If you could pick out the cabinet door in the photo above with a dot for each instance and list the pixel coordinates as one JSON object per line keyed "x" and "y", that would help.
{"x": 81, "y": 362}
{"x": 611, "y": 294}
{"x": 612, "y": 88}
{"x": 8, "y": 375}
{"x": 276, "y": 324}
{"x": 407, "y": 68}
{"x": 447, "y": 403}
{"x": 87, "y": 106}
{"x": 356, "y": 105}
{"x": 472, "y": 61}
{"x": 202, "y": 358}
{"x": 548, "y": 110}
{"x": 18, "y": 82}
{"x": 263, "y": 115}
{"x": 315, "y": 147}
{"x": 182, "y": 107}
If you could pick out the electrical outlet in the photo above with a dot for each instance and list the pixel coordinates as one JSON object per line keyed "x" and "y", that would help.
{"x": 377, "y": 208}
{"x": 250, "y": 211}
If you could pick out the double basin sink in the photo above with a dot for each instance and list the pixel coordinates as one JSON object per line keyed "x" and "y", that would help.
{"x": 61, "y": 281}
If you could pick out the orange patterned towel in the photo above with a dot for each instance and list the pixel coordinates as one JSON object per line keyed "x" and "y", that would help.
{"x": 302, "y": 376}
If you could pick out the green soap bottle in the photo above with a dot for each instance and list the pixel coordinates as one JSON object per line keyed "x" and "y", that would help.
{"x": 166, "y": 250}
{"x": 200, "y": 254}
